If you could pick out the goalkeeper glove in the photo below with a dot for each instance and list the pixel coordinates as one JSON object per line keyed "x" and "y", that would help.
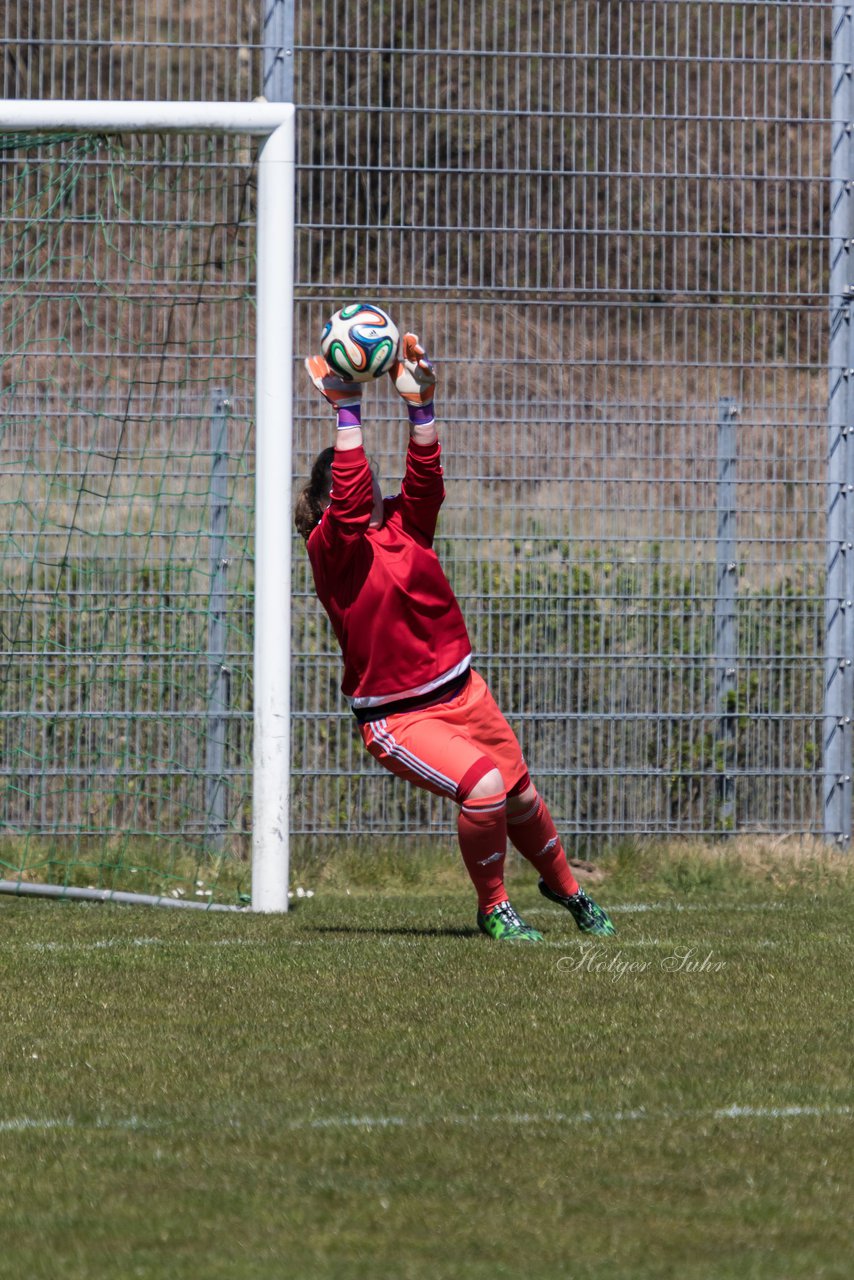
{"x": 342, "y": 393}
{"x": 415, "y": 380}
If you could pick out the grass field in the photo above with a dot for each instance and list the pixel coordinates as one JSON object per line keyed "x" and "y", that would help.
{"x": 368, "y": 1088}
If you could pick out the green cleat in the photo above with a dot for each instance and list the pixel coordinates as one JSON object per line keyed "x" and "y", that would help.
{"x": 587, "y": 915}
{"x": 503, "y": 924}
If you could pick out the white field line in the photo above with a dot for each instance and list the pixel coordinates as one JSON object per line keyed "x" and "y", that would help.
{"x": 635, "y": 908}
{"x": 734, "y": 1112}
{"x": 104, "y": 944}
{"x": 26, "y": 1124}
{"x": 569, "y": 945}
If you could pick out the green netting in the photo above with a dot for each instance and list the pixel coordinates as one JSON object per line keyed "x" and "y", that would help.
{"x": 125, "y": 488}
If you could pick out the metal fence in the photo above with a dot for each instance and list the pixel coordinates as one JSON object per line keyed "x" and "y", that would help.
{"x": 614, "y": 225}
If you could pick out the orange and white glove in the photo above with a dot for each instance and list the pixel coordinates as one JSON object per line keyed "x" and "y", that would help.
{"x": 414, "y": 380}
{"x": 343, "y": 394}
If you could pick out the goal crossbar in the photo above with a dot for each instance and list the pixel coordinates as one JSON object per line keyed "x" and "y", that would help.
{"x": 275, "y": 124}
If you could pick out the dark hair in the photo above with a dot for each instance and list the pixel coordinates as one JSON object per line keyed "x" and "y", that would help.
{"x": 311, "y": 500}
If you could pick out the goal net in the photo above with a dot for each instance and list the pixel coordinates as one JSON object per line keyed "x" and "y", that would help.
{"x": 126, "y": 557}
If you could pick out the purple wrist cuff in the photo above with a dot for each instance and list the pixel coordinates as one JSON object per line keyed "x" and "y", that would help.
{"x": 349, "y": 416}
{"x": 421, "y": 415}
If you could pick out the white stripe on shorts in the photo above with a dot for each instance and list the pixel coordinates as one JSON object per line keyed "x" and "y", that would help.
{"x": 393, "y": 748}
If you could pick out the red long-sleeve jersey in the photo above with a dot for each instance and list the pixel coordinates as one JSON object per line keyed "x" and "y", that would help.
{"x": 396, "y": 618}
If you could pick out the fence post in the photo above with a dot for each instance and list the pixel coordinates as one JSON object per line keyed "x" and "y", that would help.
{"x": 219, "y": 676}
{"x": 839, "y": 595}
{"x": 278, "y": 38}
{"x": 726, "y": 615}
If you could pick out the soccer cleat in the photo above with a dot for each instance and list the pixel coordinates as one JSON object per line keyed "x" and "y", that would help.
{"x": 589, "y": 917}
{"x": 503, "y": 924}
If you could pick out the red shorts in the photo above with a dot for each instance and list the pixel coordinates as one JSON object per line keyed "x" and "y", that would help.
{"x": 447, "y": 748}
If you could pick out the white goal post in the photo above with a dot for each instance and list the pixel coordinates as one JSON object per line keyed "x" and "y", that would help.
{"x": 275, "y": 123}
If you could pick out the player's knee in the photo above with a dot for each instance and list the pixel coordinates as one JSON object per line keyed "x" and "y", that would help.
{"x": 519, "y": 801}
{"x": 491, "y": 784}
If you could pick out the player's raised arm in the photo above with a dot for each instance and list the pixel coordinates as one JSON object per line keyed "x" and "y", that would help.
{"x": 423, "y": 489}
{"x": 348, "y": 495}
{"x": 414, "y": 381}
{"x": 345, "y": 397}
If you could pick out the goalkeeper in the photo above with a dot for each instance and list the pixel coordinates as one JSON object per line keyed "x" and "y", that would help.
{"x": 422, "y": 711}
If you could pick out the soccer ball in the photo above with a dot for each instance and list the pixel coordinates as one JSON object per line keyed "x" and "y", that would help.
{"x": 360, "y": 341}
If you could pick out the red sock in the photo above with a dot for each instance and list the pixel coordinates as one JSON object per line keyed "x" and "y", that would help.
{"x": 482, "y": 829}
{"x": 535, "y": 836}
